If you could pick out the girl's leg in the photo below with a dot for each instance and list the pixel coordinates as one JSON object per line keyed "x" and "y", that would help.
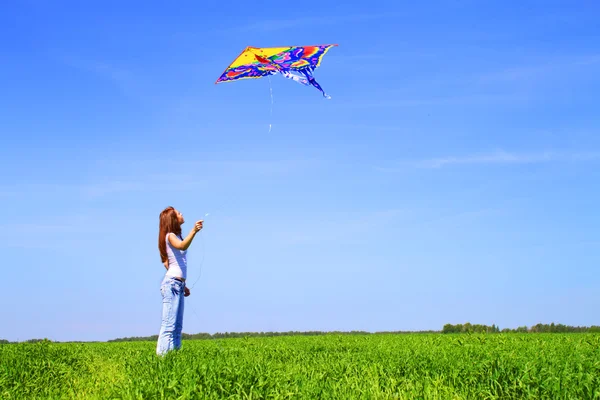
{"x": 171, "y": 290}
{"x": 179, "y": 320}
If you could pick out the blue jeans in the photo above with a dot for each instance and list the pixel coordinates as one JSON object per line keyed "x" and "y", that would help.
{"x": 169, "y": 337}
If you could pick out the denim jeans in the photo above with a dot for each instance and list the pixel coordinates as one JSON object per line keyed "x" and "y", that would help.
{"x": 169, "y": 337}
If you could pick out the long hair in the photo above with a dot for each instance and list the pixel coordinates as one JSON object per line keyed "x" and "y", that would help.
{"x": 167, "y": 223}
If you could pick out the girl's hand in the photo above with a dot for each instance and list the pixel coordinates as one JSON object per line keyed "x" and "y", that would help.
{"x": 198, "y": 225}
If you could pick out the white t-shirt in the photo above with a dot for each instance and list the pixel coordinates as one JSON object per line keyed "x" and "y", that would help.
{"x": 177, "y": 260}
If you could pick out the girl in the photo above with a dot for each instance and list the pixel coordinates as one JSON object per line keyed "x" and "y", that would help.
{"x": 173, "y": 250}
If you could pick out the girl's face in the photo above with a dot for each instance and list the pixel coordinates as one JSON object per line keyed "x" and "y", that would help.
{"x": 179, "y": 217}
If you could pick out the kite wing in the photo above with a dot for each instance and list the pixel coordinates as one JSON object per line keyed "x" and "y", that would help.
{"x": 257, "y": 62}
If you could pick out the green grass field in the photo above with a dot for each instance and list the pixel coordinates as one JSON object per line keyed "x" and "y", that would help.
{"x": 405, "y": 366}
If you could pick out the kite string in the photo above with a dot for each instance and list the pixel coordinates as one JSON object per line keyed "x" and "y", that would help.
{"x": 203, "y": 255}
{"x": 271, "y": 113}
{"x": 201, "y": 262}
{"x": 190, "y": 304}
{"x": 217, "y": 341}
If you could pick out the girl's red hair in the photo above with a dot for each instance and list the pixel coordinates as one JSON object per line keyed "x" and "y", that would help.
{"x": 168, "y": 223}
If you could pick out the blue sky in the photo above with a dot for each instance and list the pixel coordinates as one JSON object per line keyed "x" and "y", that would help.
{"x": 452, "y": 177}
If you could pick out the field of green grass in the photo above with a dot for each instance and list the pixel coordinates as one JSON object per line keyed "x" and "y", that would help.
{"x": 382, "y": 366}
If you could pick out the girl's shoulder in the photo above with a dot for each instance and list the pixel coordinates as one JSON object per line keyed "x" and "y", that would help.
{"x": 174, "y": 235}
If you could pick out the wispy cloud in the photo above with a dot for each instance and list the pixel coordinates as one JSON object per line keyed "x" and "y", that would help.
{"x": 116, "y": 186}
{"x": 133, "y": 84}
{"x": 7, "y": 193}
{"x": 332, "y": 227}
{"x": 142, "y": 183}
{"x": 49, "y": 232}
{"x": 119, "y": 76}
{"x": 450, "y": 100}
{"x": 462, "y": 216}
{"x": 142, "y": 177}
{"x": 542, "y": 69}
{"x": 271, "y": 25}
{"x": 498, "y": 158}
{"x": 279, "y": 24}
{"x": 204, "y": 173}
{"x": 503, "y": 157}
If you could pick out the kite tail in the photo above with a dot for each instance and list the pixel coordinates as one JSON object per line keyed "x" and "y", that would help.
{"x": 306, "y": 80}
{"x": 313, "y": 82}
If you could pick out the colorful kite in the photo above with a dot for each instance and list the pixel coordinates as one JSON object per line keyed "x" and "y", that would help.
{"x": 296, "y": 63}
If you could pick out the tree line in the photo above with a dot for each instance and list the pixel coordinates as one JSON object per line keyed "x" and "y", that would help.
{"x": 224, "y": 335}
{"x": 448, "y": 328}
{"x": 539, "y": 328}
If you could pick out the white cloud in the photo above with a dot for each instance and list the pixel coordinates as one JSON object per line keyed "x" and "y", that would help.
{"x": 503, "y": 157}
{"x": 283, "y": 24}
{"x": 544, "y": 69}
{"x": 141, "y": 176}
{"x": 499, "y": 157}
